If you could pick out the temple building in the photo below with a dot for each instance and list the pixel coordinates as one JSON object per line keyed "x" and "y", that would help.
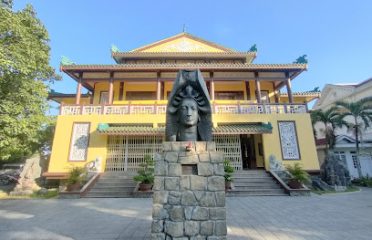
{"x": 121, "y": 119}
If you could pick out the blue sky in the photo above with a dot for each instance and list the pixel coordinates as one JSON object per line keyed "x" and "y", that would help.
{"x": 335, "y": 35}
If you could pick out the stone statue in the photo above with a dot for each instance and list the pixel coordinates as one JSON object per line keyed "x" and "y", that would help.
{"x": 189, "y": 110}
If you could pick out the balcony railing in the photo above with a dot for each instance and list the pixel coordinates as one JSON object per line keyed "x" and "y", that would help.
{"x": 250, "y": 108}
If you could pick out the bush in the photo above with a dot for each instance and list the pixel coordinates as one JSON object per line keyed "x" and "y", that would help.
{"x": 229, "y": 170}
{"x": 146, "y": 174}
{"x": 298, "y": 174}
{"x": 364, "y": 181}
{"x": 76, "y": 175}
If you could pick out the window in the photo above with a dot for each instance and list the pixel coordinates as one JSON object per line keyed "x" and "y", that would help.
{"x": 141, "y": 96}
{"x": 341, "y": 156}
{"x": 233, "y": 95}
{"x": 355, "y": 160}
{"x": 265, "y": 96}
{"x": 103, "y": 97}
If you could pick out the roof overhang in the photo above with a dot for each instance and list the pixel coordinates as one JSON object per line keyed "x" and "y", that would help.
{"x": 91, "y": 73}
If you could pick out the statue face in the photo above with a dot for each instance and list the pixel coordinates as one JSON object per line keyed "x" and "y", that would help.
{"x": 188, "y": 112}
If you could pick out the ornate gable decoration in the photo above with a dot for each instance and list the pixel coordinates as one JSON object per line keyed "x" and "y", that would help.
{"x": 183, "y": 43}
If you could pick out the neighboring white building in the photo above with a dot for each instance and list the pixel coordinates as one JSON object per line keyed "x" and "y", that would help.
{"x": 345, "y": 139}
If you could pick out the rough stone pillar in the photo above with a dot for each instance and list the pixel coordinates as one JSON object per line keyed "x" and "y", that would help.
{"x": 189, "y": 192}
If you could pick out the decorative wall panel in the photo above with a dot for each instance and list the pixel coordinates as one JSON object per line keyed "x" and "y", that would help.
{"x": 79, "y": 142}
{"x": 288, "y": 140}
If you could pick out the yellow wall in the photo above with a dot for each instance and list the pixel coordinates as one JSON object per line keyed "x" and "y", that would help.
{"x": 183, "y": 44}
{"x": 97, "y": 144}
{"x": 271, "y": 142}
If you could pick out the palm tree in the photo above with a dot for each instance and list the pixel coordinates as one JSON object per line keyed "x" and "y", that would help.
{"x": 330, "y": 120}
{"x": 358, "y": 113}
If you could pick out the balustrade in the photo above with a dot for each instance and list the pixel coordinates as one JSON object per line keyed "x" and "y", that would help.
{"x": 161, "y": 109}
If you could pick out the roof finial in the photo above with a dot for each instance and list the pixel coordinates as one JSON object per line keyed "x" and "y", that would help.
{"x": 184, "y": 28}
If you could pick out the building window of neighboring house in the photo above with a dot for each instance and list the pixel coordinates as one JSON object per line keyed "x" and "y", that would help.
{"x": 103, "y": 97}
{"x": 341, "y": 156}
{"x": 229, "y": 95}
{"x": 79, "y": 142}
{"x": 140, "y": 95}
{"x": 355, "y": 160}
{"x": 288, "y": 140}
{"x": 265, "y": 96}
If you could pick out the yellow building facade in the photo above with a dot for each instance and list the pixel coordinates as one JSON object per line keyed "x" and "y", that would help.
{"x": 122, "y": 118}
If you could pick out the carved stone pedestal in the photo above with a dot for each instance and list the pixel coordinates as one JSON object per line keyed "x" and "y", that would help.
{"x": 189, "y": 192}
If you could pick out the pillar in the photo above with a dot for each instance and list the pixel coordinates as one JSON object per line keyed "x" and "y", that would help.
{"x": 111, "y": 89}
{"x": 289, "y": 87}
{"x": 212, "y": 86}
{"x": 158, "y": 87}
{"x": 258, "y": 87}
{"x": 78, "y": 89}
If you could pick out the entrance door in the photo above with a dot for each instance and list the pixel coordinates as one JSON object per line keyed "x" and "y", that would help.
{"x": 248, "y": 151}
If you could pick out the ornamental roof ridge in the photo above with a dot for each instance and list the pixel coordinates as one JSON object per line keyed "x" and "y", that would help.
{"x": 299, "y": 65}
{"x": 183, "y": 53}
{"x": 183, "y": 34}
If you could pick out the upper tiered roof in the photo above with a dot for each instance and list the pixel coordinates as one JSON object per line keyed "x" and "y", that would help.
{"x": 183, "y": 46}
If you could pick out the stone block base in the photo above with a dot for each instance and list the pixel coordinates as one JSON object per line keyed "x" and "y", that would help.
{"x": 189, "y": 192}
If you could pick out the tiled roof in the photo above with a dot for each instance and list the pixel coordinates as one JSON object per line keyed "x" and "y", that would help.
{"x": 176, "y": 66}
{"x": 243, "y": 128}
{"x": 138, "y": 130}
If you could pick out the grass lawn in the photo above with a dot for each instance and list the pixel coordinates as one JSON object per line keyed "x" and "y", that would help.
{"x": 4, "y": 194}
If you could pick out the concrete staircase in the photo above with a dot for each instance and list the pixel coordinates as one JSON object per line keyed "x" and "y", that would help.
{"x": 254, "y": 183}
{"x": 113, "y": 185}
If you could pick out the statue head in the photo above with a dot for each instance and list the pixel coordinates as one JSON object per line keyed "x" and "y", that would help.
{"x": 188, "y": 110}
{"x": 188, "y": 113}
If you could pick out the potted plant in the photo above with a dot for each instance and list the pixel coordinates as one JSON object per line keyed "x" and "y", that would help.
{"x": 145, "y": 175}
{"x": 229, "y": 170}
{"x": 298, "y": 176}
{"x": 76, "y": 177}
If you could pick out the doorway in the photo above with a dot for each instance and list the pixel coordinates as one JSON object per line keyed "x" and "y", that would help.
{"x": 248, "y": 151}
{"x": 252, "y": 153}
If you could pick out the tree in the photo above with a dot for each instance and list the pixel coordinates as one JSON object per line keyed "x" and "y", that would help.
{"x": 24, "y": 70}
{"x": 330, "y": 120}
{"x": 356, "y": 114}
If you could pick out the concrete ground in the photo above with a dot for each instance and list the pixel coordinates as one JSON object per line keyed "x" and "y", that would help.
{"x": 335, "y": 216}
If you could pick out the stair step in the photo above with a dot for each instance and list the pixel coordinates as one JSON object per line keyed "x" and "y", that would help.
{"x": 230, "y": 194}
{"x": 101, "y": 184}
{"x": 116, "y": 178}
{"x": 256, "y": 187}
{"x": 254, "y": 191}
{"x": 117, "y": 195}
{"x": 108, "y": 190}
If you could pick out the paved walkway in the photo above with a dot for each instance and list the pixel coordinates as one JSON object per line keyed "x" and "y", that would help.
{"x": 338, "y": 216}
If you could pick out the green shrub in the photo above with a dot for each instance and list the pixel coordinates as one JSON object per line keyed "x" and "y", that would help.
{"x": 146, "y": 174}
{"x": 76, "y": 175}
{"x": 363, "y": 181}
{"x": 229, "y": 170}
{"x": 298, "y": 173}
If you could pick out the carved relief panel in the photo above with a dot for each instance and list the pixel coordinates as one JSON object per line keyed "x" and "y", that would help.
{"x": 79, "y": 142}
{"x": 288, "y": 140}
